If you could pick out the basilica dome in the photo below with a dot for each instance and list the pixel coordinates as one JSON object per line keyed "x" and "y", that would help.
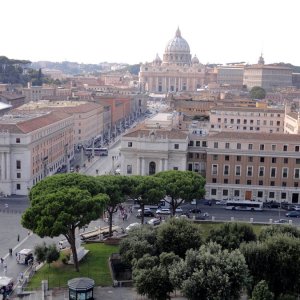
{"x": 177, "y": 51}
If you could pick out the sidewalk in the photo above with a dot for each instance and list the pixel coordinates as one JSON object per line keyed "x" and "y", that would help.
{"x": 105, "y": 293}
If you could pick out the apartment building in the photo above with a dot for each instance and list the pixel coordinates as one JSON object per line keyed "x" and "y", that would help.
{"x": 259, "y": 166}
{"x": 33, "y": 145}
{"x": 230, "y": 75}
{"x": 247, "y": 119}
{"x": 88, "y": 116}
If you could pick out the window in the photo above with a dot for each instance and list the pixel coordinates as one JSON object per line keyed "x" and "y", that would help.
{"x": 249, "y": 182}
{"x": 18, "y": 140}
{"x": 238, "y": 121}
{"x": 272, "y": 183}
{"x": 204, "y": 144}
{"x": 296, "y": 184}
{"x": 260, "y": 182}
{"x": 238, "y": 146}
{"x": 129, "y": 169}
{"x": 261, "y": 171}
{"x": 285, "y": 172}
{"x": 262, "y": 159}
{"x": 236, "y": 193}
{"x": 249, "y": 170}
{"x": 273, "y": 160}
{"x": 191, "y": 155}
{"x": 214, "y": 170}
{"x": 284, "y": 147}
{"x": 197, "y": 143}
{"x": 297, "y": 161}
{"x": 273, "y": 172}
{"x": 216, "y": 145}
{"x": 273, "y": 147}
{"x": 296, "y": 173}
{"x": 261, "y": 147}
{"x": 176, "y": 146}
{"x": 129, "y": 144}
{"x": 225, "y": 180}
{"x": 250, "y": 158}
{"x": 79, "y": 131}
{"x": 227, "y": 145}
{"x": 213, "y": 192}
{"x": 237, "y": 181}
{"x": 283, "y": 195}
{"x": 18, "y": 186}
{"x": 18, "y": 175}
{"x": 214, "y": 180}
{"x": 215, "y": 157}
{"x": 225, "y": 192}
{"x": 226, "y": 157}
{"x": 226, "y": 170}
{"x": 237, "y": 170}
{"x": 238, "y": 158}
{"x": 296, "y": 148}
{"x": 191, "y": 143}
{"x": 259, "y": 194}
{"x": 283, "y": 183}
{"x": 271, "y": 195}
{"x": 18, "y": 165}
{"x": 175, "y": 168}
{"x": 250, "y": 146}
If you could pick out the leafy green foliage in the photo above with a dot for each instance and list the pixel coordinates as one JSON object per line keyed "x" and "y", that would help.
{"x": 275, "y": 260}
{"x": 52, "y": 254}
{"x": 181, "y": 186}
{"x": 140, "y": 241}
{"x": 178, "y": 236}
{"x": 231, "y": 235}
{"x": 46, "y": 253}
{"x": 274, "y": 230}
{"x": 60, "y": 204}
{"x": 210, "y": 273}
{"x": 257, "y": 92}
{"x": 147, "y": 190}
{"x": 151, "y": 275}
{"x": 261, "y": 292}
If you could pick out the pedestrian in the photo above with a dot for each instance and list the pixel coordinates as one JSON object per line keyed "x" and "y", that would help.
{"x": 18, "y": 238}
{"x": 5, "y": 269}
{"x": 1, "y": 261}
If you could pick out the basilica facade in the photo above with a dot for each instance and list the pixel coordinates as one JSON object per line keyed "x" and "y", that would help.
{"x": 176, "y": 72}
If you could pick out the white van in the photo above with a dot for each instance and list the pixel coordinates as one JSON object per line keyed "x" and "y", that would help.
{"x": 63, "y": 244}
{"x": 24, "y": 256}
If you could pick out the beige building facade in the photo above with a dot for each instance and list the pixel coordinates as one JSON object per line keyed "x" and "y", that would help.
{"x": 33, "y": 146}
{"x": 247, "y": 119}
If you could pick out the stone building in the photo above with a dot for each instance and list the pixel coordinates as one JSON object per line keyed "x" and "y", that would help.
{"x": 32, "y": 146}
{"x": 177, "y": 71}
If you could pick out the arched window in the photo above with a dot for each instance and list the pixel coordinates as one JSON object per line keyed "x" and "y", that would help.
{"x": 152, "y": 168}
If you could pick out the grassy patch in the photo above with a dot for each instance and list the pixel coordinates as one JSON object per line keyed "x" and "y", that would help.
{"x": 94, "y": 265}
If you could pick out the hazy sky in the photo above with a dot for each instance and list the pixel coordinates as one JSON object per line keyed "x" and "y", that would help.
{"x": 133, "y": 31}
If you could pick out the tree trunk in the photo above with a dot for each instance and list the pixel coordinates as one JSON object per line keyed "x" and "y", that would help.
{"x": 110, "y": 221}
{"x": 142, "y": 215}
{"x": 72, "y": 241}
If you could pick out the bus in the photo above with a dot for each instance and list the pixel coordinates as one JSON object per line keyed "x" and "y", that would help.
{"x": 244, "y": 205}
{"x": 97, "y": 151}
{"x": 161, "y": 204}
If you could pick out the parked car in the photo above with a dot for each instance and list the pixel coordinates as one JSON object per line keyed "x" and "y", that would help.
{"x": 132, "y": 225}
{"x": 293, "y": 214}
{"x": 154, "y": 222}
{"x": 195, "y": 211}
{"x": 147, "y": 213}
{"x": 281, "y": 221}
{"x": 178, "y": 210}
{"x": 163, "y": 211}
{"x": 221, "y": 202}
{"x": 145, "y": 208}
{"x": 207, "y": 202}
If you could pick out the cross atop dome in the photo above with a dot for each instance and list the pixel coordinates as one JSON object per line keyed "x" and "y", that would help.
{"x": 178, "y": 33}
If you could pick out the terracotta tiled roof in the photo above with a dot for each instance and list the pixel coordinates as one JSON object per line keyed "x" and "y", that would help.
{"x": 256, "y": 136}
{"x": 83, "y": 108}
{"x": 32, "y": 124}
